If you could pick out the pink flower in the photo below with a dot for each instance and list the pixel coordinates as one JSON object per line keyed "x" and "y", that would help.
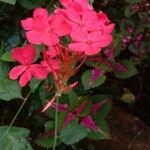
{"x": 79, "y": 5}
{"x": 45, "y": 29}
{"x": 26, "y": 56}
{"x": 81, "y": 21}
{"x": 103, "y": 24}
{"x": 89, "y": 42}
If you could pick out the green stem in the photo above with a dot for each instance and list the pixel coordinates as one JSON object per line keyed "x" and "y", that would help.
{"x": 19, "y": 110}
{"x": 56, "y": 125}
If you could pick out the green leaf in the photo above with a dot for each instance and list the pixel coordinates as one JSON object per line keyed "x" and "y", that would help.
{"x": 47, "y": 142}
{"x": 12, "y": 2}
{"x": 4, "y": 70}
{"x": 14, "y": 139}
{"x": 12, "y": 41}
{"x": 9, "y": 90}
{"x": 130, "y": 72}
{"x": 118, "y": 45}
{"x": 34, "y": 84}
{"x": 30, "y": 4}
{"x": 86, "y": 80}
{"x": 106, "y": 107}
{"x": 7, "y": 57}
{"x": 128, "y": 12}
{"x": 73, "y": 133}
{"x": 72, "y": 99}
{"x": 61, "y": 119}
{"x": 104, "y": 134}
{"x": 49, "y": 125}
{"x": 133, "y": 1}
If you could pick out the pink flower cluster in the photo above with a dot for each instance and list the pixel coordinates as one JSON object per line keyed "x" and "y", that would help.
{"x": 87, "y": 30}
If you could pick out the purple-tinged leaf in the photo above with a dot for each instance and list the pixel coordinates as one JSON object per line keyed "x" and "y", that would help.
{"x": 120, "y": 67}
{"x": 101, "y": 60}
{"x": 109, "y": 52}
{"x": 97, "y": 106}
{"x": 138, "y": 40}
{"x": 96, "y": 73}
{"x": 126, "y": 40}
{"x": 61, "y": 107}
{"x": 89, "y": 123}
{"x": 80, "y": 108}
{"x": 69, "y": 118}
{"x": 130, "y": 29}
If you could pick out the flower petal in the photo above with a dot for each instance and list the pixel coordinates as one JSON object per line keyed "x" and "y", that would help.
{"x": 25, "y": 55}
{"x": 27, "y": 24}
{"x": 78, "y": 46}
{"x": 73, "y": 15}
{"x": 34, "y": 37}
{"x": 61, "y": 27}
{"x": 78, "y": 36}
{"x": 38, "y": 71}
{"x": 25, "y": 78}
{"x": 16, "y": 72}
{"x": 40, "y": 12}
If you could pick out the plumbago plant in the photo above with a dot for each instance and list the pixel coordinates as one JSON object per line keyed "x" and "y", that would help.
{"x": 68, "y": 38}
{"x": 62, "y": 69}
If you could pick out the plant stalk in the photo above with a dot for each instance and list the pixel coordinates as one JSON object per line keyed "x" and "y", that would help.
{"x": 56, "y": 125}
{"x": 15, "y": 117}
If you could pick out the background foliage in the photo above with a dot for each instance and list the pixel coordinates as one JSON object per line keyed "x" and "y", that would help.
{"x": 124, "y": 84}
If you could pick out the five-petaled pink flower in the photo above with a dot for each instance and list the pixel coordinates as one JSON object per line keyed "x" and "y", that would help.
{"x": 45, "y": 29}
{"x": 26, "y": 56}
{"x": 89, "y": 42}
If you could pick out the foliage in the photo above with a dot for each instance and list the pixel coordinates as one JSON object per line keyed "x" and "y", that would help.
{"x": 102, "y": 79}
{"x": 14, "y": 138}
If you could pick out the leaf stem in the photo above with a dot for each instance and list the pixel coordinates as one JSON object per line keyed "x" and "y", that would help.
{"x": 19, "y": 110}
{"x": 56, "y": 125}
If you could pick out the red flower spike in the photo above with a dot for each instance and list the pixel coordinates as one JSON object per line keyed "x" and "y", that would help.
{"x": 49, "y": 104}
{"x": 52, "y": 65}
{"x": 70, "y": 87}
{"x": 26, "y": 56}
